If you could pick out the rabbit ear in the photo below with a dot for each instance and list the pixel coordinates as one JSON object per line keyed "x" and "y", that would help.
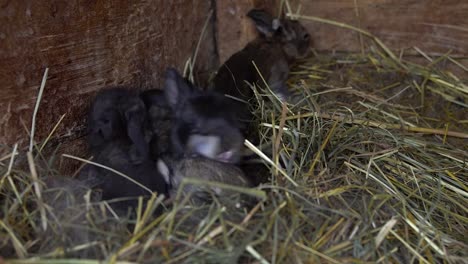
{"x": 176, "y": 89}
{"x": 136, "y": 135}
{"x": 135, "y": 116}
{"x": 264, "y": 22}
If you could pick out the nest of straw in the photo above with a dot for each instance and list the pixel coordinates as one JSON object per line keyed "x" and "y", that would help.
{"x": 371, "y": 166}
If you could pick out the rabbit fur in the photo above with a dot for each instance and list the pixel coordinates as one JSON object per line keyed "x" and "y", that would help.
{"x": 279, "y": 44}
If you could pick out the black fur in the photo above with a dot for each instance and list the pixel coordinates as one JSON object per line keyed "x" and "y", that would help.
{"x": 195, "y": 112}
{"x": 280, "y": 43}
{"x": 116, "y": 138}
{"x": 160, "y": 118}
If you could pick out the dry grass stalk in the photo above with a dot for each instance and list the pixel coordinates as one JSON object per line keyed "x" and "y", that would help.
{"x": 367, "y": 172}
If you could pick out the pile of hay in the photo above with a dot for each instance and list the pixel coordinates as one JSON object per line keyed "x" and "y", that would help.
{"x": 370, "y": 167}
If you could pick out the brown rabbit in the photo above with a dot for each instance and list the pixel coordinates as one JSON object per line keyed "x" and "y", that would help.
{"x": 280, "y": 43}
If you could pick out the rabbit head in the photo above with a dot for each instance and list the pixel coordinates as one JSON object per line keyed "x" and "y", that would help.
{"x": 114, "y": 115}
{"x": 104, "y": 121}
{"x": 204, "y": 122}
{"x": 292, "y": 35}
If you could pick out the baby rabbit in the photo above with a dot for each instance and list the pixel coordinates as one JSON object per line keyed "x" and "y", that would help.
{"x": 116, "y": 155}
{"x": 203, "y": 169}
{"x": 280, "y": 43}
{"x": 117, "y": 114}
{"x": 116, "y": 138}
{"x": 202, "y": 123}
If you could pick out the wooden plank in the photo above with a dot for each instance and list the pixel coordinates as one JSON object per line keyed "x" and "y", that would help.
{"x": 233, "y": 28}
{"x": 87, "y": 45}
{"x": 433, "y": 26}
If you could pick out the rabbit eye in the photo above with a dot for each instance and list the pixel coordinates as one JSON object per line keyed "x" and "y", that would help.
{"x": 306, "y": 36}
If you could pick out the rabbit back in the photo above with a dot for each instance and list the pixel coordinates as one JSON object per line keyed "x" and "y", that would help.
{"x": 117, "y": 155}
{"x": 203, "y": 169}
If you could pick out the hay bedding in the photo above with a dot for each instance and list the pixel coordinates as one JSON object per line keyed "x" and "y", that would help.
{"x": 370, "y": 167}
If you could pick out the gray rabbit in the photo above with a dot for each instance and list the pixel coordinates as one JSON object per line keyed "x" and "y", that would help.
{"x": 203, "y": 169}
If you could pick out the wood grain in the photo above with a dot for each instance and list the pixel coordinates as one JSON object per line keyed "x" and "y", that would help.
{"x": 87, "y": 45}
{"x": 434, "y": 26}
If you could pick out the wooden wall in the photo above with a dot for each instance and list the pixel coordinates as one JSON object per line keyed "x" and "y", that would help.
{"x": 88, "y": 45}
{"x": 434, "y": 26}
{"x": 233, "y": 28}
{"x": 92, "y": 44}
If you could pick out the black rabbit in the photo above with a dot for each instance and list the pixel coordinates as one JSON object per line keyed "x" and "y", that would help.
{"x": 280, "y": 43}
{"x": 116, "y": 114}
{"x": 116, "y": 155}
{"x": 117, "y": 140}
{"x": 201, "y": 123}
{"x": 159, "y": 124}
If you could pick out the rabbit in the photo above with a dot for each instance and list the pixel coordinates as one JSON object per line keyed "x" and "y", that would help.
{"x": 280, "y": 43}
{"x": 116, "y": 126}
{"x": 160, "y": 119}
{"x": 194, "y": 202}
{"x": 116, "y": 155}
{"x": 204, "y": 169}
{"x": 115, "y": 114}
{"x": 201, "y": 122}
